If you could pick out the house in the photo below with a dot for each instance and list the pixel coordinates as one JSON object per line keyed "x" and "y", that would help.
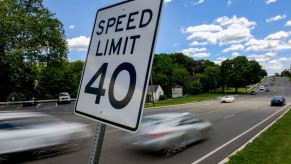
{"x": 156, "y": 90}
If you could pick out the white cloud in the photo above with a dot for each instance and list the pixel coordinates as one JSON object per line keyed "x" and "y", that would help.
{"x": 273, "y": 42}
{"x": 219, "y": 60}
{"x": 72, "y": 27}
{"x": 80, "y": 43}
{"x": 225, "y": 30}
{"x": 270, "y": 1}
{"x": 270, "y": 63}
{"x": 195, "y": 43}
{"x": 235, "y": 22}
{"x": 195, "y": 52}
{"x": 273, "y": 66}
{"x": 197, "y": 2}
{"x": 278, "y": 35}
{"x": 276, "y": 18}
{"x": 199, "y": 55}
{"x": 234, "y": 47}
{"x": 203, "y": 28}
{"x": 288, "y": 23}
{"x": 168, "y": 1}
{"x": 235, "y": 54}
{"x": 229, "y": 2}
{"x": 262, "y": 58}
{"x": 222, "y": 58}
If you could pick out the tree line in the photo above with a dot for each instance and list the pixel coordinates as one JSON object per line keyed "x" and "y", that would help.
{"x": 196, "y": 76}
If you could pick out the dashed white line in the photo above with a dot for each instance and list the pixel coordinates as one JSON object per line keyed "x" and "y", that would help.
{"x": 229, "y": 116}
{"x": 38, "y": 105}
{"x": 56, "y": 104}
{"x": 19, "y": 107}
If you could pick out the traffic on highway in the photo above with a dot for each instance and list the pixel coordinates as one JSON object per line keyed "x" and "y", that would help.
{"x": 145, "y": 82}
{"x": 190, "y": 133}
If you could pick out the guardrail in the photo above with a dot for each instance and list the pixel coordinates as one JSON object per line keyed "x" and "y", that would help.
{"x": 29, "y": 101}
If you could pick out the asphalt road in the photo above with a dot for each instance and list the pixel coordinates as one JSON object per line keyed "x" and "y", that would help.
{"x": 233, "y": 124}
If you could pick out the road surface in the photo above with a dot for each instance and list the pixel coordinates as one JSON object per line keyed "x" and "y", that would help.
{"x": 233, "y": 125}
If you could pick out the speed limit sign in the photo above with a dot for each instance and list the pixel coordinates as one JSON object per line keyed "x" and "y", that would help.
{"x": 116, "y": 73}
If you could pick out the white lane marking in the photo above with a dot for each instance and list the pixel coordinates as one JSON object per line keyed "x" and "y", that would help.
{"x": 56, "y": 104}
{"x": 252, "y": 139}
{"x": 19, "y": 107}
{"x": 235, "y": 138}
{"x": 38, "y": 105}
{"x": 3, "y": 106}
{"x": 229, "y": 116}
{"x": 199, "y": 114}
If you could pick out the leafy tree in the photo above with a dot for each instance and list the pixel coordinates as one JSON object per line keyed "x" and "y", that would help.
{"x": 76, "y": 70}
{"x": 213, "y": 77}
{"x": 53, "y": 80}
{"x": 196, "y": 87}
{"x": 182, "y": 77}
{"x": 29, "y": 33}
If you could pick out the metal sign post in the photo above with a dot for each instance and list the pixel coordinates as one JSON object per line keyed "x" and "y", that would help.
{"x": 118, "y": 64}
{"x": 97, "y": 145}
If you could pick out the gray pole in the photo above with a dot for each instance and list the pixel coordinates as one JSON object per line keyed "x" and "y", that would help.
{"x": 97, "y": 145}
{"x": 152, "y": 91}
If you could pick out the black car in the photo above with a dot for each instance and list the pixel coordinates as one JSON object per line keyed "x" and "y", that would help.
{"x": 253, "y": 93}
{"x": 278, "y": 100}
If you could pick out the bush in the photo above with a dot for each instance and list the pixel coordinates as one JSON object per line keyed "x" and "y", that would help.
{"x": 17, "y": 96}
{"x": 196, "y": 87}
{"x": 163, "y": 97}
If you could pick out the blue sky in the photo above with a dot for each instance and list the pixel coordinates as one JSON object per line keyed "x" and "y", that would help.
{"x": 202, "y": 29}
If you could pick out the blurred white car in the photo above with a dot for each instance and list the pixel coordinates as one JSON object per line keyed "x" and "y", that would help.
{"x": 168, "y": 132}
{"x": 227, "y": 99}
{"x": 23, "y": 132}
{"x": 64, "y": 97}
{"x": 262, "y": 87}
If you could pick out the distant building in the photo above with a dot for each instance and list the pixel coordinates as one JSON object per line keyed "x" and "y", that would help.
{"x": 177, "y": 91}
{"x": 156, "y": 90}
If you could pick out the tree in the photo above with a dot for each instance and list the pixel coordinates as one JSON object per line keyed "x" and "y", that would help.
{"x": 240, "y": 72}
{"x": 30, "y": 33}
{"x": 53, "y": 80}
{"x": 76, "y": 70}
{"x": 196, "y": 87}
{"x": 182, "y": 77}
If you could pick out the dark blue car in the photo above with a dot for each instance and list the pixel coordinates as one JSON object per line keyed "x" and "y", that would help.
{"x": 278, "y": 100}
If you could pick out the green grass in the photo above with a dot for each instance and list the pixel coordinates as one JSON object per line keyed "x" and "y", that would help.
{"x": 232, "y": 90}
{"x": 188, "y": 99}
{"x": 272, "y": 147}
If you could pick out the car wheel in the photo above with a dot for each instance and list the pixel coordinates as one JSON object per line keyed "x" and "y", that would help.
{"x": 173, "y": 150}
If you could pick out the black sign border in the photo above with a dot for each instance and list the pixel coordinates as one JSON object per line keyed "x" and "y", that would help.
{"x": 146, "y": 78}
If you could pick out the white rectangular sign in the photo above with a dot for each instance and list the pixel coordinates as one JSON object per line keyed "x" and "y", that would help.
{"x": 118, "y": 63}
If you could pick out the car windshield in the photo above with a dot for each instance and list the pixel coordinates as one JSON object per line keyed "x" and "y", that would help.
{"x": 64, "y": 94}
{"x": 277, "y": 98}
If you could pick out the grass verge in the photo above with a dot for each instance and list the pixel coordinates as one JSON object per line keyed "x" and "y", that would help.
{"x": 272, "y": 146}
{"x": 188, "y": 99}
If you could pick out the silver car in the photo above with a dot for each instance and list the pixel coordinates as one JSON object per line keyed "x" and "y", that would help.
{"x": 169, "y": 132}
{"x": 31, "y": 131}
